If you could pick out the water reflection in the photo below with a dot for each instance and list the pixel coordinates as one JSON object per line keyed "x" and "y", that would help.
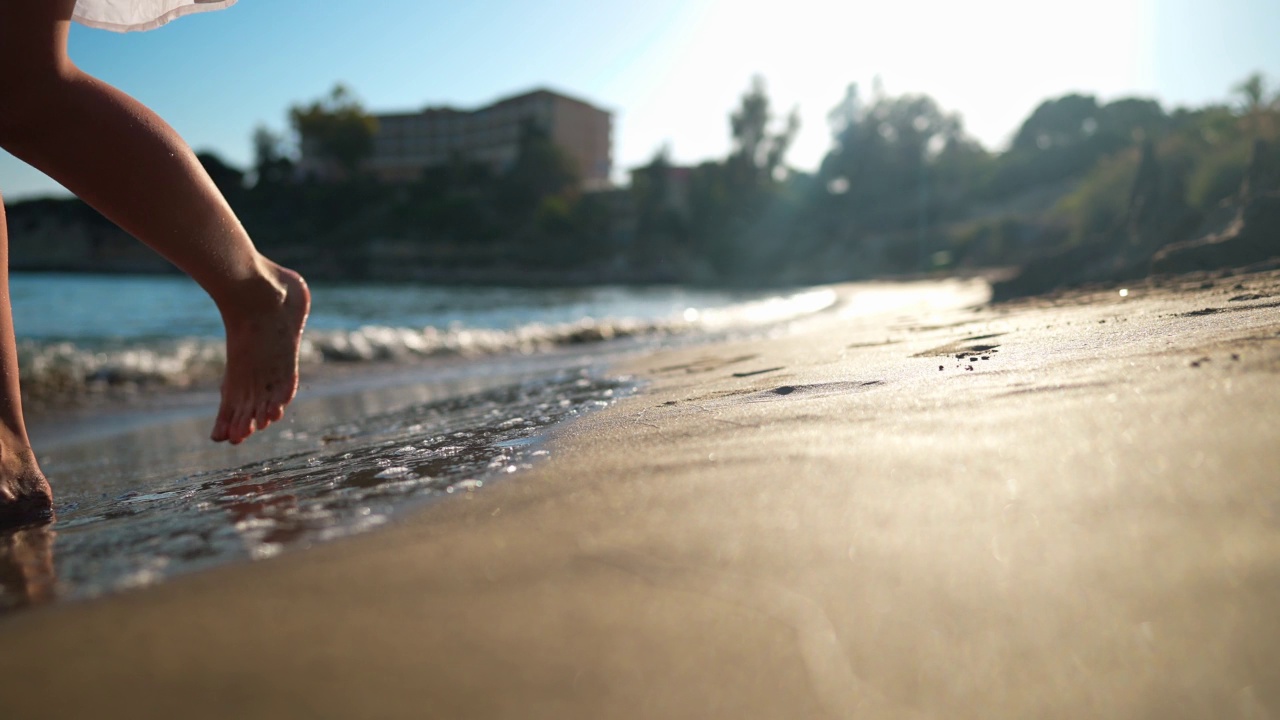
{"x": 333, "y": 481}
{"x": 26, "y": 567}
{"x": 264, "y": 503}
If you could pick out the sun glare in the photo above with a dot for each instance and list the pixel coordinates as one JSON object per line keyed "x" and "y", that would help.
{"x": 991, "y": 62}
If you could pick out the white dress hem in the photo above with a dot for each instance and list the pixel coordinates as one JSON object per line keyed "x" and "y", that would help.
{"x": 149, "y": 24}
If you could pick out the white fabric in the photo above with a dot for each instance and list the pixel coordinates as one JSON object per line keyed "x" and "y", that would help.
{"x": 129, "y": 15}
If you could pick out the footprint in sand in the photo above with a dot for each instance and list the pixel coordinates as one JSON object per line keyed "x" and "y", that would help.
{"x": 812, "y": 390}
{"x": 970, "y": 347}
{"x": 705, "y": 364}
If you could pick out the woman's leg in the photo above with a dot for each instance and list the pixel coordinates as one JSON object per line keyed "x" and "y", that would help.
{"x": 126, "y": 162}
{"x": 24, "y": 493}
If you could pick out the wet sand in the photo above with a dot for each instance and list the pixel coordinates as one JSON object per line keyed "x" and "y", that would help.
{"x": 1065, "y": 507}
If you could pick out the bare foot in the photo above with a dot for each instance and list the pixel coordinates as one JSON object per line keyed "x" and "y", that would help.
{"x": 25, "y": 496}
{"x": 263, "y": 333}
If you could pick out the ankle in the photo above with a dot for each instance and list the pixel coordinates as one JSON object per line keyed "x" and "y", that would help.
{"x": 16, "y": 455}
{"x": 13, "y": 440}
{"x": 252, "y": 295}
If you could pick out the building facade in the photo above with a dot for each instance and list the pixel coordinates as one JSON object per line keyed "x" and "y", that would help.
{"x": 406, "y": 143}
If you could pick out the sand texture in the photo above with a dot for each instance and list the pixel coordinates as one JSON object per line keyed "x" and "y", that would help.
{"x": 1057, "y": 508}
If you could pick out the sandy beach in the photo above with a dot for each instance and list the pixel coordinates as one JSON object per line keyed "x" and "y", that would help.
{"x": 1061, "y": 507}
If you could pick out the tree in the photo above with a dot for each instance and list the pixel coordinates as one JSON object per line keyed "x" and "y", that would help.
{"x": 1253, "y": 92}
{"x": 1066, "y": 137}
{"x": 229, "y": 180}
{"x": 758, "y": 154}
{"x": 455, "y": 201}
{"x": 270, "y": 164}
{"x": 1063, "y": 122}
{"x": 729, "y": 200}
{"x": 885, "y": 155}
{"x": 542, "y": 169}
{"x": 661, "y": 208}
{"x": 658, "y": 204}
{"x": 335, "y": 130}
{"x": 1129, "y": 121}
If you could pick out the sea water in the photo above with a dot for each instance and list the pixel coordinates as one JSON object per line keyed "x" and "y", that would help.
{"x": 442, "y": 391}
{"x": 83, "y": 334}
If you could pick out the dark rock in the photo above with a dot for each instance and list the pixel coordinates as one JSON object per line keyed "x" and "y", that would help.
{"x": 1253, "y": 232}
{"x": 1156, "y": 213}
{"x": 1253, "y": 237}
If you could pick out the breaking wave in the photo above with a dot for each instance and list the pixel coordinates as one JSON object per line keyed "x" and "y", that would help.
{"x": 64, "y": 368}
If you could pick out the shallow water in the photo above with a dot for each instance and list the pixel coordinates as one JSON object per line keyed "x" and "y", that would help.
{"x": 408, "y": 394}
{"x": 120, "y": 527}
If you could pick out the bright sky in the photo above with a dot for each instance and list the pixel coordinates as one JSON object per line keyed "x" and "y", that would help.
{"x": 671, "y": 70}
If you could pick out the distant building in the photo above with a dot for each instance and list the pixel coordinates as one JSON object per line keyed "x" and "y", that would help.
{"x": 406, "y": 143}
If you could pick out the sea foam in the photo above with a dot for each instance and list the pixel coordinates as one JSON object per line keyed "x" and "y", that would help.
{"x": 65, "y": 369}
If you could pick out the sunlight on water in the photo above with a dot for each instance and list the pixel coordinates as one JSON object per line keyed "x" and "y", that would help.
{"x": 348, "y": 478}
{"x": 163, "y": 332}
{"x": 874, "y": 299}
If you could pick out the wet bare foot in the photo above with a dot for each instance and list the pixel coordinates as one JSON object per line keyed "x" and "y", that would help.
{"x": 25, "y": 496}
{"x": 263, "y": 333}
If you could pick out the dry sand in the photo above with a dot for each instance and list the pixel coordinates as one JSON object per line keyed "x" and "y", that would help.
{"x": 854, "y": 519}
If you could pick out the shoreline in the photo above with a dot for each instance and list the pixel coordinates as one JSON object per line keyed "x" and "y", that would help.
{"x": 552, "y": 280}
{"x": 852, "y": 518}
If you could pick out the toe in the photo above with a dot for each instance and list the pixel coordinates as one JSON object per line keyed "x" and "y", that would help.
{"x": 275, "y": 411}
{"x": 261, "y": 417}
{"x": 278, "y": 400}
{"x": 241, "y": 426}
{"x": 246, "y": 426}
{"x": 284, "y": 394}
{"x": 221, "y": 426}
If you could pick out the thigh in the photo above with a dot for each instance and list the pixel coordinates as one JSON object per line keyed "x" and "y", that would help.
{"x": 33, "y": 34}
